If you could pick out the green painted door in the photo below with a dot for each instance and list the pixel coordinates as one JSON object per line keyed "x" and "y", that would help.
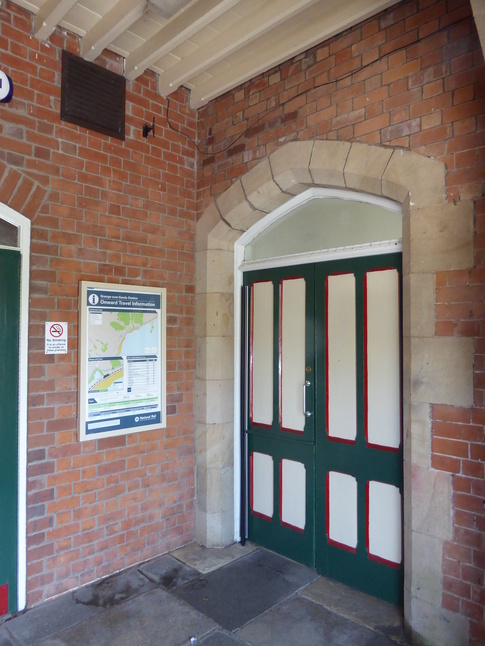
{"x": 281, "y": 437}
{"x": 326, "y": 488}
{"x": 9, "y": 384}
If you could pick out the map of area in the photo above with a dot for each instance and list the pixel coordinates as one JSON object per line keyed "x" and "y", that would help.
{"x": 114, "y": 337}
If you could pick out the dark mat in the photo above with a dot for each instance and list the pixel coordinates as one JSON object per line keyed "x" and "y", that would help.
{"x": 168, "y": 572}
{"x": 242, "y": 590}
{"x": 299, "y": 621}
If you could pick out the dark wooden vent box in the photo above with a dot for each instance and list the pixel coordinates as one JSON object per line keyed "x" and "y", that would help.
{"x": 92, "y": 96}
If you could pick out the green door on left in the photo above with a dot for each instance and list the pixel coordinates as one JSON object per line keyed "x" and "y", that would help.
{"x": 9, "y": 386}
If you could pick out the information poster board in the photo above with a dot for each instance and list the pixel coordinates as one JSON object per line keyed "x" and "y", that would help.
{"x": 122, "y": 359}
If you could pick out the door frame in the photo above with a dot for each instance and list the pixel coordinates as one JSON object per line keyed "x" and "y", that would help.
{"x": 240, "y": 266}
{"x": 23, "y": 225}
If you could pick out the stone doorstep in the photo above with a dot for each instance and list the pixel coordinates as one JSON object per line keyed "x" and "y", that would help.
{"x": 205, "y": 559}
{"x": 375, "y": 614}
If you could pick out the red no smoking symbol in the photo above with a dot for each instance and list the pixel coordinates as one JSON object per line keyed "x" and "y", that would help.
{"x": 56, "y": 330}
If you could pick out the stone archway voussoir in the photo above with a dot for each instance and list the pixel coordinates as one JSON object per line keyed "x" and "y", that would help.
{"x": 290, "y": 166}
{"x": 365, "y": 166}
{"x": 328, "y": 162}
{"x": 410, "y": 174}
{"x": 262, "y": 192}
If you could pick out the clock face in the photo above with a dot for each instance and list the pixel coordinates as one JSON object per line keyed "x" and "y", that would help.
{"x": 6, "y": 88}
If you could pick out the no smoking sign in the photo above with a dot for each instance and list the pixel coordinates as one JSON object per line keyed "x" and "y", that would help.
{"x": 55, "y": 338}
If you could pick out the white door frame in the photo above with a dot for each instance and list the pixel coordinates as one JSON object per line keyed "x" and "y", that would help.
{"x": 23, "y": 225}
{"x": 373, "y": 248}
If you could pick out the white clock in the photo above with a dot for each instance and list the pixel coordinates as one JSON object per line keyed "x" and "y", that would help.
{"x": 6, "y": 88}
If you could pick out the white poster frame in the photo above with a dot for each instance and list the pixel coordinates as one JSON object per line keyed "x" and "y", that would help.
{"x": 120, "y": 411}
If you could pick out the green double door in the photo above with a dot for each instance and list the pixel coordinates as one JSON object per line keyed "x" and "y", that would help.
{"x": 9, "y": 384}
{"x": 324, "y": 418}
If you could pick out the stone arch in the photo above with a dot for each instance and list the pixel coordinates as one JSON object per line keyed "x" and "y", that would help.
{"x": 437, "y": 236}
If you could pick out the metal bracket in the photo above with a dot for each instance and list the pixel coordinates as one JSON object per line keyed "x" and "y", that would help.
{"x": 147, "y": 128}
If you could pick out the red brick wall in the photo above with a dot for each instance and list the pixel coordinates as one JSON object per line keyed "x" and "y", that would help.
{"x": 458, "y": 438}
{"x": 412, "y": 77}
{"x": 112, "y": 211}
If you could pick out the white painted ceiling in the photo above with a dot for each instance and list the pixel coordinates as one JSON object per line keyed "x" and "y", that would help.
{"x": 208, "y": 46}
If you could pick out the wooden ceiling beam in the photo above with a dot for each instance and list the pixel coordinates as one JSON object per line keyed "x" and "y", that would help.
{"x": 253, "y": 26}
{"x": 50, "y": 15}
{"x": 114, "y": 23}
{"x": 175, "y": 32}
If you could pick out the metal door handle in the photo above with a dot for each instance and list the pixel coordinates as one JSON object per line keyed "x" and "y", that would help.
{"x": 306, "y": 412}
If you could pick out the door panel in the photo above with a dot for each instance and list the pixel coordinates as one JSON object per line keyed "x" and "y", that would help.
{"x": 341, "y": 519}
{"x": 261, "y": 353}
{"x": 382, "y": 358}
{"x": 9, "y": 383}
{"x": 341, "y": 410}
{"x": 292, "y": 354}
{"x": 383, "y": 520}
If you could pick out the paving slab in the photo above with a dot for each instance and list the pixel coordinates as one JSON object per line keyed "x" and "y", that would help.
{"x": 382, "y": 640}
{"x": 205, "y": 559}
{"x": 155, "y": 618}
{"x": 5, "y": 637}
{"x": 378, "y": 615}
{"x": 244, "y": 589}
{"x": 49, "y": 618}
{"x": 168, "y": 572}
{"x": 220, "y": 638}
{"x": 113, "y": 590}
{"x": 300, "y": 621}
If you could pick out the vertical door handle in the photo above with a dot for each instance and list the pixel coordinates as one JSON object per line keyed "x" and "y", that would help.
{"x": 306, "y": 412}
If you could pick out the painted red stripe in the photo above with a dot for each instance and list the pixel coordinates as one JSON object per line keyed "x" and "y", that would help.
{"x": 366, "y": 372}
{"x": 281, "y": 489}
{"x": 4, "y": 599}
{"x": 280, "y": 348}
{"x": 378, "y": 559}
{"x": 367, "y": 539}
{"x": 251, "y": 353}
{"x": 383, "y": 447}
{"x": 251, "y": 481}
{"x": 327, "y": 404}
